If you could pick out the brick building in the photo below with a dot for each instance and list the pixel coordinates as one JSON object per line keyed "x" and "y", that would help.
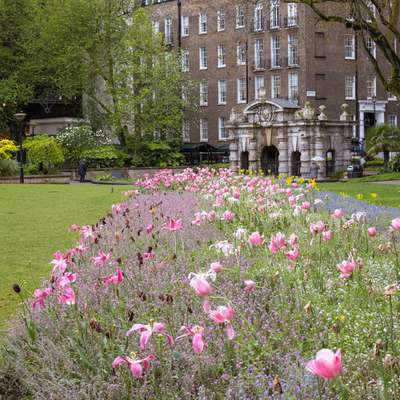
{"x": 237, "y": 48}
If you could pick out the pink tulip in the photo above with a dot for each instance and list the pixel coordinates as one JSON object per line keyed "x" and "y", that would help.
{"x": 173, "y": 225}
{"x": 293, "y": 255}
{"x": 372, "y": 232}
{"x": 249, "y": 286}
{"x": 74, "y": 228}
{"x": 228, "y": 216}
{"x": 211, "y": 216}
{"x": 200, "y": 286}
{"x": 67, "y": 297}
{"x": 40, "y": 296}
{"x": 59, "y": 262}
{"x": 327, "y": 364}
{"x": 146, "y": 331}
{"x": 135, "y": 366}
{"x": 396, "y": 224}
{"x": 66, "y": 279}
{"x": 197, "y": 333}
{"x": 87, "y": 232}
{"x": 338, "y": 214}
{"x": 101, "y": 258}
{"x": 327, "y": 236}
{"x": 256, "y": 239}
{"x": 224, "y": 315}
{"x": 149, "y": 229}
{"x": 318, "y": 227}
{"x": 216, "y": 267}
{"x": 346, "y": 268}
{"x": 118, "y": 277}
{"x": 305, "y": 205}
{"x": 277, "y": 242}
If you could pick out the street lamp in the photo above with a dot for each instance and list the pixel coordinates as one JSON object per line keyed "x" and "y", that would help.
{"x": 374, "y": 103}
{"x": 20, "y": 119}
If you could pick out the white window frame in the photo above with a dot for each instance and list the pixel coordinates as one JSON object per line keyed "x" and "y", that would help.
{"x": 203, "y": 89}
{"x": 392, "y": 119}
{"x": 222, "y": 91}
{"x": 275, "y": 79}
{"x": 292, "y": 15}
{"x": 258, "y": 18}
{"x": 203, "y": 23}
{"x": 349, "y": 47}
{"x": 222, "y": 131}
{"x": 275, "y": 14}
{"x": 240, "y": 51}
{"x": 347, "y": 80}
{"x": 185, "y": 60}
{"x": 241, "y": 91}
{"x": 203, "y": 58}
{"x": 221, "y": 56}
{"x": 186, "y": 132}
{"x": 240, "y": 17}
{"x": 185, "y": 21}
{"x": 293, "y": 50}
{"x": 203, "y": 130}
{"x": 221, "y": 20}
{"x": 293, "y": 86}
{"x": 258, "y": 79}
{"x": 276, "y": 52}
{"x": 168, "y": 29}
{"x": 371, "y": 80}
{"x": 259, "y": 54}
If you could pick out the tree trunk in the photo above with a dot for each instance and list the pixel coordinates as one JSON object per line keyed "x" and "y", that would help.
{"x": 386, "y": 159}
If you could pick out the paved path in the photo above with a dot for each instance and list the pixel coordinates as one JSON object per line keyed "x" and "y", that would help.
{"x": 394, "y": 182}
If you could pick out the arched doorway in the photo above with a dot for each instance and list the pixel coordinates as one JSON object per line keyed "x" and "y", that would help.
{"x": 330, "y": 163}
{"x": 295, "y": 163}
{"x": 244, "y": 160}
{"x": 270, "y": 160}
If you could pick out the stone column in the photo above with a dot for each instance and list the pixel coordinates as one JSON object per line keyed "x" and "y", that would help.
{"x": 233, "y": 155}
{"x": 253, "y": 157}
{"x": 306, "y": 152}
{"x": 320, "y": 150}
{"x": 283, "y": 148}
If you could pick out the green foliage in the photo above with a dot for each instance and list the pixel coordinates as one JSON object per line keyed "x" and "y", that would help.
{"x": 395, "y": 164}
{"x": 377, "y": 162}
{"x": 8, "y": 167}
{"x": 76, "y": 140}
{"x": 105, "y": 156}
{"x": 7, "y": 148}
{"x": 44, "y": 152}
{"x": 153, "y": 153}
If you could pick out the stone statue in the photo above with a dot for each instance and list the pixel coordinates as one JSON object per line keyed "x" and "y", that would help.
{"x": 345, "y": 116}
{"x": 322, "y": 116}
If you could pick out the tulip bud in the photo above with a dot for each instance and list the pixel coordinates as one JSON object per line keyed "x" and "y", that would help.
{"x": 308, "y": 308}
{"x": 377, "y": 348}
{"x": 276, "y": 385}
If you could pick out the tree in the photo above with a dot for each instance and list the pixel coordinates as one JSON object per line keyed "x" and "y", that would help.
{"x": 383, "y": 138}
{"x": 378, "y": 20}
{"x": 96, "y": 48}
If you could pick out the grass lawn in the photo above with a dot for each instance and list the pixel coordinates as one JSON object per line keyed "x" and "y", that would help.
{"x": 34, "y": 221}
{"x": 374, "y": 193}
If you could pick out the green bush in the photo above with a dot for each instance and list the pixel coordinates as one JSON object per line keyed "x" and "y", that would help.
{"x": 76, "y": 140}
{"x": 8, "y": 167}
{"x": 395, "y": 164}
{"x": 153, "y": 153}
{"x": 105, "y": 157}
{"x": 7, "y": 149}
{"x": 377, "y": 162}
{"x": 44, "y": 152}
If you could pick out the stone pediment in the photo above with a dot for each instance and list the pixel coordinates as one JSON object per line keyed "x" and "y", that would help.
{"x": 266, "y": 110}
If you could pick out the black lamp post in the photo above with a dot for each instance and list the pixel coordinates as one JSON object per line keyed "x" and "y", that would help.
{"x": 20, "y": 119}
{"x": 374, "y": 103}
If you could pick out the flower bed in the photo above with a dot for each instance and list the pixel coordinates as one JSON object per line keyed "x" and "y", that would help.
{"x": 210, "y": 285}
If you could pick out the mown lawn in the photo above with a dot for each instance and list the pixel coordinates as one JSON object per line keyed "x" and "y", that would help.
{"x": 373, "y": 193}
{"x": 34, "y": 221}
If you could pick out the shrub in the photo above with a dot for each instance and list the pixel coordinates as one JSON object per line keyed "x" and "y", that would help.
{"x": 44, "y": 152}
{"x": 77, "y": 139}
{"x": 377, "y": 162}
{"x": 7, "y": 149}
{"x": 8, "y": 167}
{"x": 153, "y": 153}
{"x": 104, "y": 157}
{"x": 395, "y": 164}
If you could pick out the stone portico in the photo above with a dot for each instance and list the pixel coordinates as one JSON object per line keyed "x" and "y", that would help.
{"x": 278, "y": 137}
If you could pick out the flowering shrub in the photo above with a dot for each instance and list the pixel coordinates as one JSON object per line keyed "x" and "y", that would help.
{"x": 210, "y": 285}
{"x": 7, "y": 149}
{"x": 76, "y": 139}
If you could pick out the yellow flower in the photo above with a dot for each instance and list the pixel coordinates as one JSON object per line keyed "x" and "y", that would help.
{"x": 374, "y": 195}
{"x": 342, "y": 318}
{"x": 360, "y": 196}
{"x": 300, "y": 181}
